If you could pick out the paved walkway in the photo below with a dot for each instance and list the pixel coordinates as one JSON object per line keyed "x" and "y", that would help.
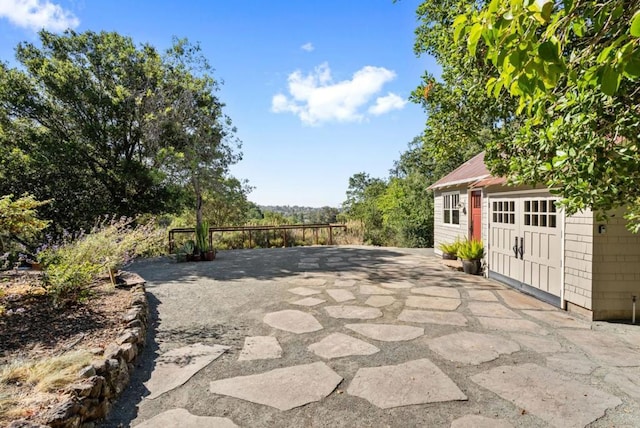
{"x": 360, "y": 336}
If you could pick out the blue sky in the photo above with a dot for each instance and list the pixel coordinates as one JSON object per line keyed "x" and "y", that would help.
{"x": 317, "y": 89}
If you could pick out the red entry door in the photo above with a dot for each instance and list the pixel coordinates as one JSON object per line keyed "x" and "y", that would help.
{"x": 475, "y": 227}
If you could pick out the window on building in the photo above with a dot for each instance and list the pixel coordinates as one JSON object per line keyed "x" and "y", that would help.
{"x": 451, "y": 213}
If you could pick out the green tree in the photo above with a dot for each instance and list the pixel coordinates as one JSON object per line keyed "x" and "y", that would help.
{"x": 103, "y": 126}
{"x": 19, "y": 219}
{"x": 573, "y": 66}
{"x": 461, "y": 117}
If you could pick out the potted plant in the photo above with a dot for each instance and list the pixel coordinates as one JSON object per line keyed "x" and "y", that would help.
{"x": 202, "y": 242}
{"x": 449, "y": 251}
{"x": 471, "y": 252}
{"x": 188, "y": 248}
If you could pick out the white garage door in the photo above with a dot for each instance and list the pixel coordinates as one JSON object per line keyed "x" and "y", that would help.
{"x": 525, "y": 244}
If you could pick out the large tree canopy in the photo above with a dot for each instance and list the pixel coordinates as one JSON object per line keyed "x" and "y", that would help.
{"x": 573, "y": 66}
{"x": 101, "y": 125}
{"x": 461, "y": 116}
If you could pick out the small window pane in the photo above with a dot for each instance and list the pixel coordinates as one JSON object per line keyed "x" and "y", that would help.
{"x": 534, "y": 220}
{"x": 552, "y": 207}
{"x": 527, "y": 220}
{"x": 447, "y": 201}
{"x": 456, "y": 200}
{"x": 495, "y": 206}
{"x": 535, "y": 206}
{"x": 495, "y": 217}
{"x": 512, "y": 218}
{"x": 552, "y": 221}
{"x": 512, "y": 206}
{"x": 500, "y": 206}
{"x": 500, "y": 218}
{"x": 543, "y": 220}
{"x": 447, "y": 216}
{"x": 456, "y": 216}
{"x": 543, "y": 206}
{"x": 527, "y": 206}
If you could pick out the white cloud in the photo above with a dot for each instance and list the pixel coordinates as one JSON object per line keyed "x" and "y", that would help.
{"x": 38, "y": 14}
{"x": 316, "y": 98}
{"x": 307, "y": 47}
{"x": 387, "y": 103}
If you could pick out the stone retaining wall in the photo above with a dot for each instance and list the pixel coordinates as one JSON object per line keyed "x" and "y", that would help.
{"x": 100, "y": 383}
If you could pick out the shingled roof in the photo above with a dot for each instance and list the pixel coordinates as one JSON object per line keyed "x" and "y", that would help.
{"x": 469, "y": 172}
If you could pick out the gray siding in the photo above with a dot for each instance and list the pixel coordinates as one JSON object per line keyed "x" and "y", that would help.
{"x": 578, "y": 259}
{"x": 616, "y": 268}
{"x": 446, "y": 232}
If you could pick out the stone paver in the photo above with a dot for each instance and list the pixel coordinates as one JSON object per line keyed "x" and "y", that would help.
{"x": 492, "y": 310}
{"x": 397, "y": 285}
{"x": 284, "y": 388}
{"x": 627, "y": 380}
{"x": 472, "y": 348}
{"x": 260, "y": 348}
{"x": 558, "y": 319}
{"x": 175, "y": 367}
{"x": 413, "y": 382}
{"x": 432, "y": 317}
{"x": 344, "y": 283}
{"x": 517, "y": 300}
{"x": 308, "y": 301}
{"x": 380, "y": 301}
{"x": 482, "y": 295}
{"x": 293, "y": 321}
{"x": 451, "y": 293}
{"x": 438, "y": 303}
{"x": 304, "y": 291}
{"x": 353, "y": 312}
{"x": 558, "y": 400}
{"x": 374, "y": 289}
{"x": 571, "y": 362}
{"x": 338, "y": 345}
{"x": 604, "y": 347}
{"x": 477, "y": 421}
{"x": 183, "y": 419}
{"x": 340, "y": 295}
{"x": 310, "y": 282}
{"x": 387, "y": 332}
{"x": 510, "y": 324}
{"x": 541, "y": 345}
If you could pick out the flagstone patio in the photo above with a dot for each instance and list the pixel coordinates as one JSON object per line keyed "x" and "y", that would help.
{"x": 362, "y": 336}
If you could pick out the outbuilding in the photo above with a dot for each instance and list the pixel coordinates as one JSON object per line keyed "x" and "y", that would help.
{"x": 575, "y": 262}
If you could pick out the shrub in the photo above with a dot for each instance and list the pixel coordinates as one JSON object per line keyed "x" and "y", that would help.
{"x": 471, "y": 250}
{"x": 72, "y": 265}
{"x": 450, "y": 248}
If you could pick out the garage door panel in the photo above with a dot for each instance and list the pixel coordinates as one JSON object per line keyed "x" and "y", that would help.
{"x": 534, "y": 219}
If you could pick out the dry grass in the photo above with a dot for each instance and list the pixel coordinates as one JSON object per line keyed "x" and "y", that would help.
{"x": 44, "y": 377}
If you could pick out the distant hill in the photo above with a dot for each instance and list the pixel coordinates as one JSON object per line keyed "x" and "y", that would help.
{"x": 304, "y": 214}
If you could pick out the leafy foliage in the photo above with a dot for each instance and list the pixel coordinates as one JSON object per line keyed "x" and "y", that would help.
{"x": 470, "y": 249}
{"x": 397, "y": 211}
{"x": 19, "y": 219}
{"x": 100, "y": 125}
{"x": 573, "y": 67}
{"x": 70, "y": 267}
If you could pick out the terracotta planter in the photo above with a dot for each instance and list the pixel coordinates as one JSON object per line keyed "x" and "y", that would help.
{"x": 195, "y": 257}
{"x": 472, "y": 267}
{"x": 209, "y": 256}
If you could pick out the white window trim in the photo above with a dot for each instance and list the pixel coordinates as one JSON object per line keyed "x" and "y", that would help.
{"x": 444, "y": 195}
